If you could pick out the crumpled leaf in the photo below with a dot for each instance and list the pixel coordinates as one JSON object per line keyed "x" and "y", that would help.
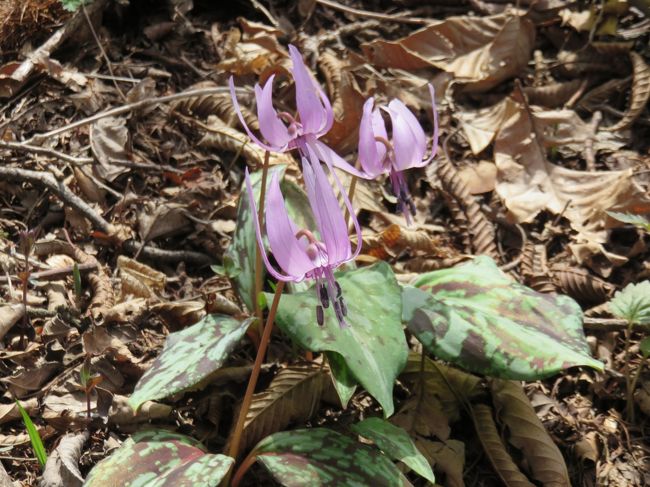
{"x": 189, "y": 357}
{"x": 475, "y": 316}
{"x": 62, "y": 467}
{"x": 527, "y": 433}
{"x": 373, "y": 346}
{"x": 161, "y": 220}
{"x": 480, "y": 52}
{"x": 633, "y": 303}
{"x": 396, "y": 443}
{"x": 448, "y": 457}
{"x": 319, "y": 456}
{"x": 159, "y": 458}
{"x": 108, "y": 139}
{"x": 528, "y": 183}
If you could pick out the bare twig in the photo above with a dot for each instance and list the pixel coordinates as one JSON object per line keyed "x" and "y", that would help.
{"x": 590, "y": 156}
{"x": 169, "y": 256}
{"x": 52, "y": 274}
{"x": 47, "y": 179}
{"x": 17, "y": 146}
{"x": 373, "y": 15}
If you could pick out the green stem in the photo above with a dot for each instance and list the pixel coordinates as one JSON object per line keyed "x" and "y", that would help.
{"x": 252, "y": 382}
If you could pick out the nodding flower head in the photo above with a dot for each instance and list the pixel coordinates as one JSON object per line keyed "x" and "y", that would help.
{"x": 283, "y": 131}
{"x": 300, "y": 254}
{"x": 406, "y": 148}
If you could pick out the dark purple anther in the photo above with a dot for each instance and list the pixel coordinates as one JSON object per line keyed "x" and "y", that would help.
{"x": 320, "y": 315}
{"x": 324, "y": 296}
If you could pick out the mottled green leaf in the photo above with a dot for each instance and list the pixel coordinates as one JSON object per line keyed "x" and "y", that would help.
{"x": 319, "y": 456}
{"x": 159, "y": 459}
{"x": 633, "y": 303}
{"x": 342, "y": 377}
{"x": 396, "y": 443}
{"x": 239, "y": 259}
{"x": 475, "y": 316}
{"x": 189, "y": 357}
{"x": 637, "y": 220}
{"x": 373, "y": 346}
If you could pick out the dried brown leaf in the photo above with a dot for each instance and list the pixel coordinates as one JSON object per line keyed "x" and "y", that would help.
{"x": 23, "y": 438}
{"x": 397, "y": 238}
{"x": 581, "y": 285}
{"x": 553, "y": 95}
{"x": 293, "y": 396}
{"x": 640, "y": 92}
{"x": 179, "y": 314}
{"x": 10, "y": 412}
{"x": 108, "y": 139}
{"x": 495, "y": 449}
{"x": 24, "y": 381}
{"x": 448, "y": 457}
{"x": 148, "y": 276}
{"x": 161, "y": 220}
{"x": 528, "y": 183}
{"x": 527, "y": 433}
{"x": 479, "y": 178}
{"x": 598, "y": 96}
{"x": 62, "y": 467}
{"x": 535, "y": 269}
{"x": 479, "y": 51}
{"x": 9, "y": 316}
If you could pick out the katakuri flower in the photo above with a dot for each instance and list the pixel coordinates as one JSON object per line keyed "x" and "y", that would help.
{"x": 282, "y": 131}
{"x": 406, "y": 149}
{"x": 301, "y": 254}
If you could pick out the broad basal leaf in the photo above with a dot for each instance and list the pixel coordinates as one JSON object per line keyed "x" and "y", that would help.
{"x": 240, "y": 256}
{"x": 633, "y": 303}
{"x": 396, "y": 443}
{"x": 189, "y": 357}
{"x": 475, "y": 316}
{"x": 292, "y": 397}
{"x": 320, "y": 456}
{"x": 373, "y": 346}
{"x": 159, "y": 459}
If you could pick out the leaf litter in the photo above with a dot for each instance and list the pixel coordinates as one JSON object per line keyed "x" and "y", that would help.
{"x": 543, "y": 167}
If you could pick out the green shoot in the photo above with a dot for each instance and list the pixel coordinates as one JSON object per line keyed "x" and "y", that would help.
{"x": 35, "y": 438}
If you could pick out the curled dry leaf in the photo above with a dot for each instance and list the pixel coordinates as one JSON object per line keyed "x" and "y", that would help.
{"x": 25, "y": 381}
{"x": 480, "y": 229}
{"x": 601, "y": 94}
{"x": 553, "y": 95}
{"x": 640, "y": 92}
{"x": 9, "y": 316}
{"x": 535, "y": 269}
{"x": 581, "y": 285}
{"x": 23, "y": 438}
{"x": 139, "y": 279}
{"x": 122, "y": 414}
{"x": 162, "y": 220}
{"x": 493, "y": 446}
{"x": 528, "y": 183}
{"x": 397, "y": 238}
{"x": 480, "y": 52}
{"x": 292, "y": 397}
{"x": 479, "y": 178}
{"x": 10, "y": 412}
{"x": 62, "y": 467}
{"x": 527, "y": 433}
{"x": 179, "y": 314}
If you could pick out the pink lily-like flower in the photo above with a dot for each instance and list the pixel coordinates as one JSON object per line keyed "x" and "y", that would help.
{"x": 299, "y": 253}
{"x": 282, "y": 131}
{"x": 406, "y": 149}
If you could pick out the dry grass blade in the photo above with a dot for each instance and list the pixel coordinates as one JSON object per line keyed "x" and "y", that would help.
{"x": 292, "y": 396}
{"x": 640, "y": 92}
{"x": 494, "y": 448}
{"x": 480, "y": 228}
{"x": 581, "y": 285}
{"x": 527, "y": 433}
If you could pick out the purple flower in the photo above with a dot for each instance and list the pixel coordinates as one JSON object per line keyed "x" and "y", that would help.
{"x": 299, "y": 253}
{"x": 405, "y": 150}
{"x": 282, "y": 131}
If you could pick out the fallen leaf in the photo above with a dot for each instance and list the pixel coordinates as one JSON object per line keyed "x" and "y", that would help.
{"x": 108, "y": 139}
{"x": 62, "y": 467}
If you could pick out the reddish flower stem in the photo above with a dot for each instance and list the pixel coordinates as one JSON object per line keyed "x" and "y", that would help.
{"x": 243, "y": 468}
{"x": 252, "y": 382}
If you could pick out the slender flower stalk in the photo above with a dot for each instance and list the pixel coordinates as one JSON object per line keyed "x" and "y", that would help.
{"x": 406, "y": 148}
{"x": 300, "y": 254}
{"x": 283, "y": 131}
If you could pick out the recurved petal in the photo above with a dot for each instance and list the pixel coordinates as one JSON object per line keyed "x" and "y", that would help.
{"x": 255, "y": 139}
{"x": 329, "y": 216}
{"x": 271, "y": 126}
{"x": 409, "y": 141}
{"x": 313, "y": 115}
{"x": 371, "y": 152}
{"x": 260, "y": 240}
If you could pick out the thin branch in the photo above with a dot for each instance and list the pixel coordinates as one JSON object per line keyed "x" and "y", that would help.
{"x": 125, "y": 109}
{"x": 17, "y": 146}
{"x": 52, "y": 274}
{"x": 169, "y": 256}
{"x": 373, "y": 15}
